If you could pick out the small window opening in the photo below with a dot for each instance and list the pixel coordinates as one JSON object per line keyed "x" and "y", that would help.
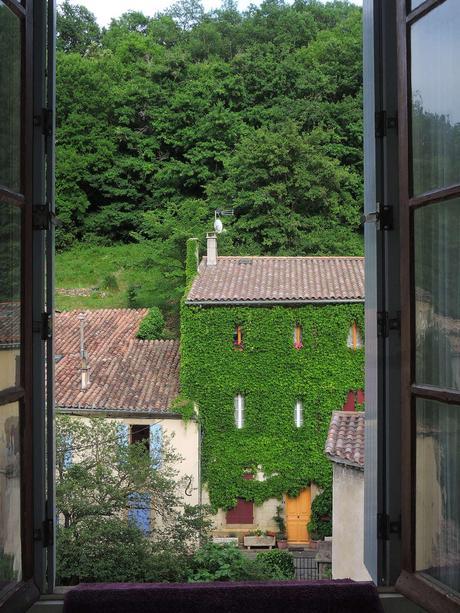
{"x": 141, "y": 434}
{"x": 298, "y": 414}
{"x": 239, "y": 411}
{"x": 298, "y": 337}
{"x": 238, "y": 337}
{"x": 355, "y": 340}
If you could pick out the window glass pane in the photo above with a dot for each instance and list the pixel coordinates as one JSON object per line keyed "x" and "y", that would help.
{"x": 10, "y": 523}
{"x": 10, "y": 288}
{"x": 438, "y": 491}
{"x": 435, "y": 96}
{"x": 437, "y": 294}
{"x": 415, "y": 3}
{"x": 10, "y": 99}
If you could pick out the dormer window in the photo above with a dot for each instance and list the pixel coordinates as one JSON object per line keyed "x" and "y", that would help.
{"x": 238, "y": 337}
{"x": 298, "y": 337}
{"x": 355, "y": 340}
{"x": 239, "y": 411}
{"x": 298, "y": 414}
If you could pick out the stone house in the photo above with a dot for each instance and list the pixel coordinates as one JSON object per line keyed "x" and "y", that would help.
{"x": 102, "y": 369}
{"x": 345, "y": 448}
{"x": 270, "y": 346}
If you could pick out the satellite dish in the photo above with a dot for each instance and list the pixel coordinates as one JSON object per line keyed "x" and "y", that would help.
{"x": 218, "y": 226}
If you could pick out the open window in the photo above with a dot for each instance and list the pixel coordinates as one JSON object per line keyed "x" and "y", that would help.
{"x": 238, "y": 337}
{"x": 298, "y": 336}
{"x": 355, "y": 339}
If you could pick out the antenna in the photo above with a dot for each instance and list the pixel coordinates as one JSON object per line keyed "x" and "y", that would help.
{"x": 218, "y": 213}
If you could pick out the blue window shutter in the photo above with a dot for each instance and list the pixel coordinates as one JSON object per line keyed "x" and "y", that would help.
{"x": 139, "y": 510}
{"x": 156, "y": 444}
{"x": 68, "y": 451}
{"x": 123, "y": 434}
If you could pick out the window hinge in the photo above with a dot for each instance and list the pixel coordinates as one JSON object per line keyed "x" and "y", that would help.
{"x": 382, "y": 216}
{"x": 386, "y": 527}
{"x": 386, "y": 324}
{"x": 45, "y": 534}
{"x": 43, "y": 218}
{"x": 44, "y": 326}
{"x": 383, "y": 123}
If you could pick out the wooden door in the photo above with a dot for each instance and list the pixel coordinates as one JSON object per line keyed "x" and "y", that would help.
{"x": 298, "y": 511}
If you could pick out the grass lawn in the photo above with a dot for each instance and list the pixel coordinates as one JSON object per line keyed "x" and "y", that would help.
{"x": 104, "y": 275}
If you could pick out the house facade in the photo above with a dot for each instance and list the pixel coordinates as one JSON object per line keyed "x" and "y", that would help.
{"x": 270, "y": 347}
{"x": 102, "y": 369}
{"x": 345, "y": 448}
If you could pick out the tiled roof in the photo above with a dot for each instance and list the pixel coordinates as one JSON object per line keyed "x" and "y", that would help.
{"x": 126, "y": 374}
{"x": 10, "y": 324}
{"x": 279, "y": 279}
{"x": 345, "y": 439}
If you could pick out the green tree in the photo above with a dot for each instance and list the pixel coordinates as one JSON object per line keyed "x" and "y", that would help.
{"x": 77, "y": 28}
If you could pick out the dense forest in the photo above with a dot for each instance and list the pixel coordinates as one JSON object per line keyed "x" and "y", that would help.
{"x": 163, "y": 120}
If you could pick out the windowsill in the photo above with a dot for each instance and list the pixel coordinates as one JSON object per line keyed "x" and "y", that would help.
{"x": 392, "y": 602}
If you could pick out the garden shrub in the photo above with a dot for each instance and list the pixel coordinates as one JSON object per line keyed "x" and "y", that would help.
{"x": 321, "y": 508}
{"x": 152, "y": 326}
{"x": 277, "y": 560}
{"x": 214, "y": 562}
{"x": 109, "y": 282}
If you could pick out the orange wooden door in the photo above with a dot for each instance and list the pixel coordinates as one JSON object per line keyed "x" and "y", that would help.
{"x": 298, "y": 511}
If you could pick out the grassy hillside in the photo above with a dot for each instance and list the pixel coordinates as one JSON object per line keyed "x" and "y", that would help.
{"x": 89, "y": 276}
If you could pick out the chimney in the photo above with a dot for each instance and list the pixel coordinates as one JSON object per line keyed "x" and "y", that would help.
{"x": 211, "y": 256}
{"x": 84, "y": 370}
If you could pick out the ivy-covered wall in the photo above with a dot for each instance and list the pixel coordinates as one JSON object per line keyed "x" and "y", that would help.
{"x": 271, "y": 375}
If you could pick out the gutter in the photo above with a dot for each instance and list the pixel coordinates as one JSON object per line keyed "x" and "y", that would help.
{"x": 270, "y": 302}
{"x": 120, "y": 413}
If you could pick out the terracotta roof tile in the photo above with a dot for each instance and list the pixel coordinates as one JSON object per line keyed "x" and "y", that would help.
{"x": 10, "y": 324}
{"x": 125, "y": 373}
{"x": 345, "y": 439}
{"x": 281, "y": 279}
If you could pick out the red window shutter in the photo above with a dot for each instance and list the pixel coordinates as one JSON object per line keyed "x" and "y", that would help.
{"x": 360, "y": 396}
{"x": 243, "y": 513}
{"x": 350, "y": 402}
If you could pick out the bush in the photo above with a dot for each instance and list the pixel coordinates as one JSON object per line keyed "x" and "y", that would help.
{"x": 109, "y": 282}
{"x": 321, "y": 509}
{"x": 226, "y": 563}
{"x": 277, "y": 561}
{"x": 151, "y": 327}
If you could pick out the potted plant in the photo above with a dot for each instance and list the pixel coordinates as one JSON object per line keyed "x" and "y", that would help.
{"x": 281, "y": 540}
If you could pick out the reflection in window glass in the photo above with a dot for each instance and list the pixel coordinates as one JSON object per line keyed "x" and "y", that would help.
{"x": 10, "y": 287}
{"x": 435, "y": 95}
{"x": 10, "y": 523}
{"x": 437, "y": 294}
{"x": 415, "y": 3}
{"x": 438, "y": 491}
{"x": 10, "y": 99}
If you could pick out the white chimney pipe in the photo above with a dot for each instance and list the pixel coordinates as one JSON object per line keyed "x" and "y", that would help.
{"x": 211, "y": 255}
{"x": 83, "y": 354}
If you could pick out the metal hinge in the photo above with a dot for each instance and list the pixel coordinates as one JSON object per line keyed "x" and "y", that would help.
{"x": 386, "y": 527}
{"x": 385, "y": 323}
{"x": 382, "y": 216}
{"x": 44, "y": 326}
{"x": 45, "y": 121}
{"x": 43, "y": 218}
{"x": 45, "y": 534}
{"x": 383, "y": 123}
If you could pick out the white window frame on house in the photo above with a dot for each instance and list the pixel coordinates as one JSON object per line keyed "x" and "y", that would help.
{"x": 239, "y": 411}
{"x": 298, "y": 414}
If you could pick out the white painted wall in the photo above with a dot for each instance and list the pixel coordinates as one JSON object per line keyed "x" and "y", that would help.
{"x": 348, "y": 524}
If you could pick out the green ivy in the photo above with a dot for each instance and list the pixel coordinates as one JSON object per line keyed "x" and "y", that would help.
{"x": 320, "y": 524}
{"x": 271, "y": 375}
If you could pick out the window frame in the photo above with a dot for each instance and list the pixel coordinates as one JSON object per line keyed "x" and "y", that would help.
{"x": 414, "y": 584}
